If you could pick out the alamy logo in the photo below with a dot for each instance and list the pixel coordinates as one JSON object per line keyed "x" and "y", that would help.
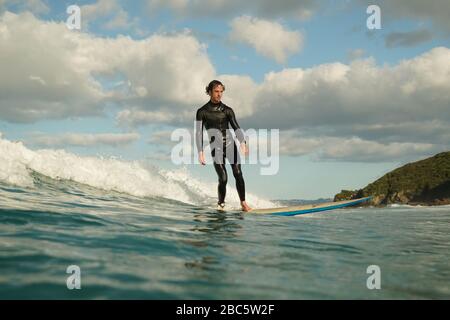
{"x": 374, "y": 20}
{"x": 74, "y": 20}
{"x": 263, "y": 146}
{"x": 374, "y": 281}
{"x": 74, "y": 280}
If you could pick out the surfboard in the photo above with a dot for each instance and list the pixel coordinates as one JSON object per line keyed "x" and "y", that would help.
{"x": 309, "y": 208}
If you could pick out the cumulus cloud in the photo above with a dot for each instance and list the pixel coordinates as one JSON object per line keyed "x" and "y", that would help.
{"x": 357, "y": 150}
{"x": 135, "y": 117}
{"x": 84, "y": 139}
{"x": 35, "y": 6}
{"x": 352, "y": 149}
{"x": 427, "y": 131}
{"x": 361, "y": 92}
{"x": 66, "y": 72}
{"x": 407, "y": 39}
{"x": 121, "y": 20}
{"x": 295, "y": 143}
{"x": 387, "y": 107}
{"x": 162, "y": 78}
{"x": 240, "y": 94}
{"x": 43, "y": 76}
{"x": 110, "y": 12}
{"x": 99, "y": 8}
{"x": 161, "y": 138}
{"x": 271, "y": 39}
{"x": 354, "y": 54}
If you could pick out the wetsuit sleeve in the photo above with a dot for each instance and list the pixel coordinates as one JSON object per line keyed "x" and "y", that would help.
{"x": 235, "y": 126}
{"x": 199, "y": 131}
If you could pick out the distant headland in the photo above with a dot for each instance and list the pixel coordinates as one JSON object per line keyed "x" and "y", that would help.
{"x": 425, "y": 182}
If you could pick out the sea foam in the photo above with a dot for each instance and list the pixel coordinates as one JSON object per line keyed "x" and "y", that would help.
{"x": 136, "y": 178}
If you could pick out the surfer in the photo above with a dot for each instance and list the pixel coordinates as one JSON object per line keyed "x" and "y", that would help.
{"x": 215, "y": 116}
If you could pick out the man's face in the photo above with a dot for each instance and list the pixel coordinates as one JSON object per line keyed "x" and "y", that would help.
{"x": 216, "y": 94}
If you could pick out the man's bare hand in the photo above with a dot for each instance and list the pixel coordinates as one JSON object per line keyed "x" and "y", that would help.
{"x": 244, "y": 148}
{"x": 201, "y": 158}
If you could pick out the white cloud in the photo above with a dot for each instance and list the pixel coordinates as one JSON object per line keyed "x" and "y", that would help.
{"x": 99, "y": 9}
{"x": 336, "y": 94}
{"x": 271, "y": 39}
{"x": 435, "y": 131}
{"x": 292, "y": 145}
{"x": 403, "y": 107}
{"x": 354, "y": 54}
{"x": 64, "y": 75}
{"x": 135, "y": 117}
{"x": 407, "y": 39}
{"x": 357, "y": 150}
{"x": 84, "y": 139}
{"x": 173, "y": 69}
{"x": 110, "y": 12}
{"x": 240, "y": 94}
{"x": 35, "y": 6}
{"x": 161, "y": 138}
{"x": 43, "y": 76}
{"x": 119, "y": 21}
{"x": 162, "y": 79}
{"x": 352, "y": 149}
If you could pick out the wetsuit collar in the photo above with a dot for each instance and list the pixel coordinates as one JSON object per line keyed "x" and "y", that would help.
{"x": 217, "y": 106}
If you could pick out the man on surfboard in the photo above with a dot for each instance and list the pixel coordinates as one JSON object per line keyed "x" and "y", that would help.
{"x": 215, "y": 116}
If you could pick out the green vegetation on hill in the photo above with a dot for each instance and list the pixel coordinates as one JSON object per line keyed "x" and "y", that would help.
{"x": 423, "y": 182}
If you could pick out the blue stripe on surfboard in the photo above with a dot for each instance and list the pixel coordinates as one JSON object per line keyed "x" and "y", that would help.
{"x": 305, "y": 211}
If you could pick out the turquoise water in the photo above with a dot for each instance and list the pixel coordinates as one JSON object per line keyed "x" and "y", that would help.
{"x": 131, "y": 247}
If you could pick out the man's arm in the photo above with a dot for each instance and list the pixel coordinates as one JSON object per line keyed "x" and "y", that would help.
{"x": 199, "y": 131}
{"x": 234, "y": 124}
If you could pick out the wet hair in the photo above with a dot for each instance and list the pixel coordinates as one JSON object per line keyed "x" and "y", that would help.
{"x": 210, "y": 87}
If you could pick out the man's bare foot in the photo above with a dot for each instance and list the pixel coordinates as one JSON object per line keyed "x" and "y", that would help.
{"x": 245, "y": 206}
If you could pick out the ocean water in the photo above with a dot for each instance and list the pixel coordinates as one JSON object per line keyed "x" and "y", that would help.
{"x": 139, "y": 232}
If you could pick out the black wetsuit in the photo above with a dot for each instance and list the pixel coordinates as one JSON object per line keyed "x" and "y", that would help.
{"x": 215, "y": 117}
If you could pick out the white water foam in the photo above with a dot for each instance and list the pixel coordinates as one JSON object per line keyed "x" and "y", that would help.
{"x": 131, "y": 177}
{"x": 418, "y": 207}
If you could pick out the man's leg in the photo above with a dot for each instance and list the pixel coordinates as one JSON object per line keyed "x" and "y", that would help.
{"x": 240, "y": 184}
{"x": 222, "y": 187}
{"x": 219, "y": 165}
{"x": 237, "y": 173}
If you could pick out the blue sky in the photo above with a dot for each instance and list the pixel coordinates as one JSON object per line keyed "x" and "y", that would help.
{"x": 396, "y": 113}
